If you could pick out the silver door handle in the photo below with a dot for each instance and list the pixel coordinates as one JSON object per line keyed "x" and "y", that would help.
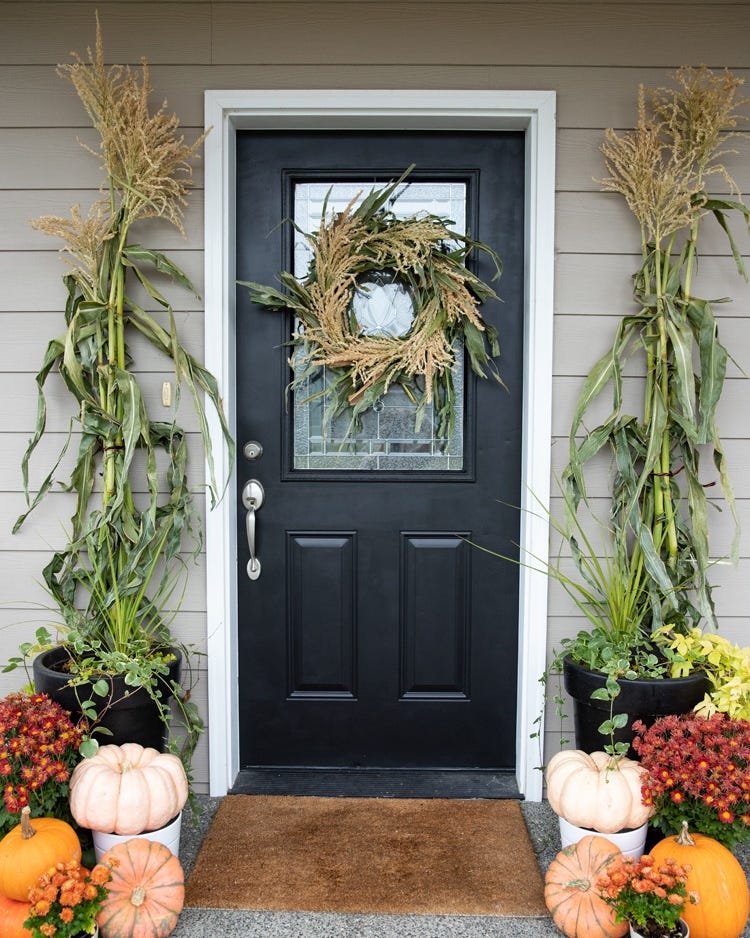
{"x": 252, "y": 499}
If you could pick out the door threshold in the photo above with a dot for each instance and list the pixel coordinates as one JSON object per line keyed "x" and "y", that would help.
{"x": 376, "y": 783}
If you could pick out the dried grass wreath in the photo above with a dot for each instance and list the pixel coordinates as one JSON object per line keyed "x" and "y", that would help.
{"x": 424, "y": 257}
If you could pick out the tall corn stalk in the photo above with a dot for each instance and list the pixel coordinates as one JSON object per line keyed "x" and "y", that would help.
{"x": 664, "y": 169}
{"x": 118, "y": 549}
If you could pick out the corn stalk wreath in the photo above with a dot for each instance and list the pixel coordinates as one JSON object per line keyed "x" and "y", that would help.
{"x": 663, "y": 169}
{"x": 120, "y": 549}
{"x": 366, "y": 240}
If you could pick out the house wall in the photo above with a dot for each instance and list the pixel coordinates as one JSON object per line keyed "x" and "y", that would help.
{"x": 593, "y": 54}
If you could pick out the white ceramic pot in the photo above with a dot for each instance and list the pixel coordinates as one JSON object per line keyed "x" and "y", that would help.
{"x": 631, "y": 842}
{"x": 169, "y": 835}
{"x": 682, "y": 924}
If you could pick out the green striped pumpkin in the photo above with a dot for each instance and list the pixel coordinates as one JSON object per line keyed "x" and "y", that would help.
{"x": 577, "y": 910}
{"x": 146, "y": 893}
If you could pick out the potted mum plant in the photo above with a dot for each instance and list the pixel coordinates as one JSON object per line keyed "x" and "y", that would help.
{"x": 696, "y": 772}
{"x": 119, "y": 573}
{"x": 38, "y": 752}
{"x": 658, "y": 515}
{"x": 66, "y": 901}
{"x": 648, "y": 894}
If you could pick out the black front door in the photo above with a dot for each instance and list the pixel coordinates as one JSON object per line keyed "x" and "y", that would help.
{"x": 375, "y": 635}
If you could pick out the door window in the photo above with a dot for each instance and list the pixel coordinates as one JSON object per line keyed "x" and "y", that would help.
{"x": 388, "y": 439}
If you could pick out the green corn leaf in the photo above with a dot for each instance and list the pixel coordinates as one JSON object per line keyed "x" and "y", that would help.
{"x": 51, "y": 357}
{"x": 82, "y": 478}
{"x": 713, "y": 363}
{"x": 719, "y": 207}
{"x": 681, "y": 338}
{"x": 727, "y": 489}
{"x": 47, "y": 482}
{"x": 136, "y": 253}
{"x": 147, "y": 285}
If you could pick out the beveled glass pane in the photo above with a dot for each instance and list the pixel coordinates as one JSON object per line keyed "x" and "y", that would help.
{"x": 388, "y": 438}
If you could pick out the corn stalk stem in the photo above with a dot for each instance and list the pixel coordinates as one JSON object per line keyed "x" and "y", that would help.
{"x": 665, "y": 528}
{"x": 113, "y": 442}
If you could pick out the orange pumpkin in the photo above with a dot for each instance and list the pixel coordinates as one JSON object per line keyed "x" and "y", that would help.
{"x": 29, "y": 849}
{"x": 577, "y": 910}
{"x": 12, "y": 916}
{"x": 146, "y": 893}
{"x": 717, "y": 877}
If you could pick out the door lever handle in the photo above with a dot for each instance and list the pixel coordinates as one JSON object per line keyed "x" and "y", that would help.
{"x": 252, "y": 499}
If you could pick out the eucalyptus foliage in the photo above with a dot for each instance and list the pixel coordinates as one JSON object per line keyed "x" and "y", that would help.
{"x": 428, "y": 259}
{"x": 659, "y": 510}
{"x": 118, "y": 573}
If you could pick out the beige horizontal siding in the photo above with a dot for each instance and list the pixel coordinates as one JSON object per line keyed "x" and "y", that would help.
{"x": 511, "y": 33}
{"x": 46, "y": 453}
{"x": 23, "y": 355}
{"x": 598, "y": 284}
{"x": 593, "y": 54}
{"x": 630, "y": 34}
{"x": 32, "y": 280}
{"x": 19, "y": 396}
{"x": 731, "y": 414}
{"x": 588, "y": 97}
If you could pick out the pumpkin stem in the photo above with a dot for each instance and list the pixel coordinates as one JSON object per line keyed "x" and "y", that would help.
{"x": 683, "y": 838}
{"x": 583, "y": 884}
{"x": 138, "y": 896}
{"x": 126, "y": 766}
{"x": 27, "y": 831}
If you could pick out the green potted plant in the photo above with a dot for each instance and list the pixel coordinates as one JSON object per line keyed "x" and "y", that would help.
{"x": 658, "y": 517}
{"x": 622, "y": 666}
{"x": 120, "y": 570}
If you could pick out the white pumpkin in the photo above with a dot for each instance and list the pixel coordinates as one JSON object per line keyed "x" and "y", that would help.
{"x": 127, "y": 789}
{"x": 596, "y": 791}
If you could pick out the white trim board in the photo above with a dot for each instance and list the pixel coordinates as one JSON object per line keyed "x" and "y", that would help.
{"x": 531, "y": 111}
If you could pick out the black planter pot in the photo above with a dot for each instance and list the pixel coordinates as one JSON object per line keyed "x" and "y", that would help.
{"x": 132, "y": 717}
{"x": 645, "y": 700}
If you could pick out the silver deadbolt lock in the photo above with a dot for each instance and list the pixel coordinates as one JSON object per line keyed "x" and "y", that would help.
{"x": 252, "y": 499}
{"x": 252, "y": 450}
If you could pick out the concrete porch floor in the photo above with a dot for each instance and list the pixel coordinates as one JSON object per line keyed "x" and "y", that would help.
{"x": 226, "y": 923}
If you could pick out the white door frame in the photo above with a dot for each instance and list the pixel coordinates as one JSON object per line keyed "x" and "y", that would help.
{"x": 531, "y": 111}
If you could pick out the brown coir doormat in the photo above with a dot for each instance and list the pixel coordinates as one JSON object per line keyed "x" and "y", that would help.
{"x": 379, "y": 855}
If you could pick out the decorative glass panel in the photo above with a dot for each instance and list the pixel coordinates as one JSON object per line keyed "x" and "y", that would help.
{"x": 388, "y": 439}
